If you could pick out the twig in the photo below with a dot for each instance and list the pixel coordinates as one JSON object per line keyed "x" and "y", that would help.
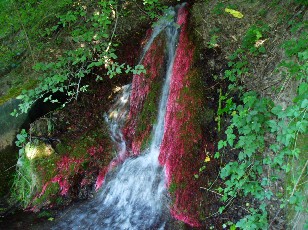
{"x": 296, "y": 184}
{"x": 211, "y": 191}
{"x": 211, "y": 87}
{"x": 115, "y": 27}
{"x": 78, "y": 85}
{"x": 10, "y": 167}
{"x": 283, "y": 88}
{"x": 274, "y": 218}
{"x": 141, "y": 9}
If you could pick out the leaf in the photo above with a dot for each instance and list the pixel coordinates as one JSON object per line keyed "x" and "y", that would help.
{"x": 234, "y": 13}
{"x": 303, "y": 55}
{"x": 222, "y": 144}
{"x": 277, "y": 110}
{"x": 273, "y": 125}
{"x": 230, "y": 139}
{"x": 304, "y": 104}
{"x": 262, "y": 49}
{"x": 221, "y": 209}
{"x": 207, "y": 159}
{"x": 303, "y": 88}
{"x": 292, "y": 200}
{"x": 202, "y": 168}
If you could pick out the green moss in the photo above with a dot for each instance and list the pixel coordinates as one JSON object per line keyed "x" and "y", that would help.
{"x": 146, "y": 142}
{"x": 46, "y": 167}
{"x": 78, "y": 147}
{"x": 297, "y": 167}
{"x": 16, "y": 91}
{"x": 32, "y": 174}
{"x": 172, "y": 188}
{"x": 198, "y": 112}
{"x": 149, "y": 113}
{"x": 49, "y": 196}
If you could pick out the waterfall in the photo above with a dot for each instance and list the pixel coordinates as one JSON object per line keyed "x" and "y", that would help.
{"x": 134, "y": 193}
{"x": 115, "y": 119}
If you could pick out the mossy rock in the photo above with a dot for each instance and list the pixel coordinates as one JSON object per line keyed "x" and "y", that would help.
{"x": 38, "y": 150}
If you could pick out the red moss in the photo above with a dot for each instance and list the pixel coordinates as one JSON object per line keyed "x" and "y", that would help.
{"x": 141, "y": 86}
{"x": 63, "y": 183}
{"x": 181, "y": 147}
{"x": 44, "y": 188}
{"x": 97, "y": 155}
{"x": 101, "y": 178}
{"x": 67, "y": 167}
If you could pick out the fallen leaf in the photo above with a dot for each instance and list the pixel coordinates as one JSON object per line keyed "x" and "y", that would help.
{"x": 260, "y": 42}
{"x": 207, "y": 159}
{"x": 234, "y": 13}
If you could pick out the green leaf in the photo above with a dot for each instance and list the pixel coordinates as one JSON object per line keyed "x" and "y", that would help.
{"x": 292, "y": 199}
{"x": 277, "y": 110}
{"x": 221, "y": 144}
{"x": 304, "y": 104}
{"x": 273, "y": 125}
{"x": 221, "y": 209}
{"x": 303, "y": 88}
{"x": 119, "y": 70}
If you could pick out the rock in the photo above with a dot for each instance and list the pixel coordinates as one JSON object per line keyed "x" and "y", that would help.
{"x": 39, "y": 150}
{"x": 42, "y": 127}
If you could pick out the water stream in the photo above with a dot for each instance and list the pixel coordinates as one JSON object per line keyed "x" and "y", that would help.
{"x": 134, "y": 193}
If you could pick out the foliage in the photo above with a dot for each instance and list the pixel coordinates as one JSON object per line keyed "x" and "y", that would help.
{"x": 213, "y": 42}
{"x": 23, "y": 183}
{"x": 153, "y": 8}
{"x": 302, "y": 2}
{"x": 92, "y": 47}
{"x": 89, "y": 27}
{"x": 20, "y": 28}
{"x": 252, "y": 39}
{"x": 260, "y": 126}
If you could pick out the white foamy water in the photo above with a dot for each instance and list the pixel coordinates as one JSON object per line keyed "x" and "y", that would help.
{"x": 134, "y": 194}
{"x": 116, "y": 118}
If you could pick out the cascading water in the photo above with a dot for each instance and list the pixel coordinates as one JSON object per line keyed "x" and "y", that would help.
{"x": 134, "y": 193}
{"x": 115, "y": 119}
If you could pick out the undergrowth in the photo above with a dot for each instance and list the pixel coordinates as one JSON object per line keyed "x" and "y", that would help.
{"x": 74, "y": 42}
{"x": 265, "y": 134}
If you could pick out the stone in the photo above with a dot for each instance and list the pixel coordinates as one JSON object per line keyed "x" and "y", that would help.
{"x": 39, "y": 150}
